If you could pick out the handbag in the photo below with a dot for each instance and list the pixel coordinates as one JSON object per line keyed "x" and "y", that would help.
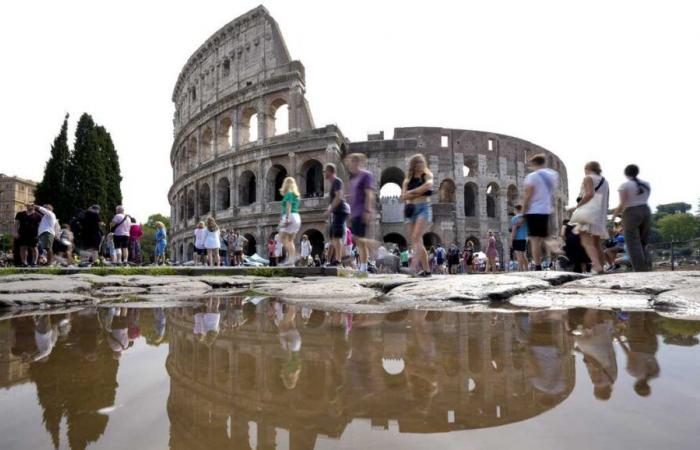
{"x": 588, "y": 214}
{"x": 408, "y": 210}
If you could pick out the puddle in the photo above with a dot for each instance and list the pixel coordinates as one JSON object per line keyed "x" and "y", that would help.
{"x": 255, "y": 373}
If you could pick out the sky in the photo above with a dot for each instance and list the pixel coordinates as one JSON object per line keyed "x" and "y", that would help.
{"x": 613, "y": 81}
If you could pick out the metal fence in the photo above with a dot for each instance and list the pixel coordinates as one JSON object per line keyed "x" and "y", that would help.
{"x": 676, "y": 255}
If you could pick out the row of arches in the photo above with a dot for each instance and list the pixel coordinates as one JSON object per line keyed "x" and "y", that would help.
{"x": 220, "y": 137}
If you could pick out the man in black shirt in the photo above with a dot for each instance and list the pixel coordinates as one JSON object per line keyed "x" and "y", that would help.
{"x": 338, "y": 211}
{"x": 26, "y": 230}
{"x": 90, "y": 234}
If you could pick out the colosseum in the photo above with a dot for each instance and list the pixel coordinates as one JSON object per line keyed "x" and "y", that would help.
{"x": 242, "y": 124}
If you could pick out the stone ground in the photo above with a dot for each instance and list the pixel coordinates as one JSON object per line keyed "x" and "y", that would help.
{"x": 671, "y": 293}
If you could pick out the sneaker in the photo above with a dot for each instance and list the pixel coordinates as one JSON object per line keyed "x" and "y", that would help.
{"x": 425, "y": 274}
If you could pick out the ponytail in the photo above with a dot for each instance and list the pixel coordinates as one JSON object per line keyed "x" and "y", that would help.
{"x": 632, "y": 171}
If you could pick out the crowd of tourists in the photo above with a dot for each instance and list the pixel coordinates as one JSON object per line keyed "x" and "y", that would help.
{"x": 85, "y": 240}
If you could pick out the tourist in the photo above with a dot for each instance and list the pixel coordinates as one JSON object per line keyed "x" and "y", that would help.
{"x": 416, "y": 192}
{"x": 65, "y": 245}
{"x": 305, "y": 249}
{"x": 537, "y": 205}
{"x": 223, "y": 247}
{"x": 636, "y": 218}
{"x": 468, "y": 257}
{"x": 403, "y": 256}
{"x": 135, "y": 233}
{"x": 338, "y": 211}
{"x": 47, "y": 230}
{"x": 614, "y": 246}
{"x": 453, "y": 259}
{"x": 290, "y": 221}
{"x": 641, "y": 347}
{"x": 589, "y": 216}
{"x": 161, "y": 243}
{"x": 212, "y": 242}
{"x": 199, "y": 250}
{"x": 90, "y": 235}
{"x": 518, "y": 238}
{"x": 239, "y": 242}
{"x": 361, "y": 207}
{"x": 120, "y": 226}
{"x": 573, "y": 249}
{"x": 594, "y": 339}
{"x": 108, "y": 250}
{"x": 271, "y": 252}
{"x": 491, "y": 253}
{"x": 350, "y": 253}
{"x": 26, "y": 232}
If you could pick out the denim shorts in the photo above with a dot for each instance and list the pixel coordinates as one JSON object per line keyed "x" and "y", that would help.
{"x": 424, "y": 210}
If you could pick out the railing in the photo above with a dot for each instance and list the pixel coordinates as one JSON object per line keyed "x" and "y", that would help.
{"x": 676, "y": 254}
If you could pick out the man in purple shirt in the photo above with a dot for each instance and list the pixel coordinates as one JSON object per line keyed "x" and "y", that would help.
{"x": 361, "y": 206}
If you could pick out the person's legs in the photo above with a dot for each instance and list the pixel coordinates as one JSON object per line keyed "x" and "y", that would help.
{"x": 23, "y": 252}
{"x": 217, "y": 258}
{"x": 632, "y": 221}
{"x": 338, "y": 249}
{"x": 410, "y": 226}
{"x": 421, "y": 253}
{"x": 536, "y": 248}
{"x": 591, "y": 251}
{"x": 644, "y": 229}
{"x": 125, "y": 254}
{"x": 599, "y": 250}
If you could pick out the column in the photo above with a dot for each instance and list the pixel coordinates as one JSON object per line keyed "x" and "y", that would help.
{"x": 212, "y": 196}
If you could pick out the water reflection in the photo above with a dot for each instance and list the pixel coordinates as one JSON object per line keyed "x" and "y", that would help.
{"x": 246, "y": 371}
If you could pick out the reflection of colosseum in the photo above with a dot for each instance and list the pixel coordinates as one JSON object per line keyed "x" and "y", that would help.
{"x": 242, "y": 124}
{"x": 445, "y": 372}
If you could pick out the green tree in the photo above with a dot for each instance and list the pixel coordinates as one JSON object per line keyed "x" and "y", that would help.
{"x": 54, "y": 187}
{"x": 87, "y": 169}
{"x": 673, "y": 208}
{"x": 113, "y": 177}
{"x": 679, "y": 227}
{"x": 148, "y": 240}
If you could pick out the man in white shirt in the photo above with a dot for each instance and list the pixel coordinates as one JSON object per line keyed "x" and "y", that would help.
{"x": 538, "y": 204}
{"x": 47, "y": 230}
{"x": 121, "y": 226}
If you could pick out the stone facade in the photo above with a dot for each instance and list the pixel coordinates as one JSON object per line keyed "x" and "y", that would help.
{"x": 14, "y": 194}
{"x": 232, "y": 150}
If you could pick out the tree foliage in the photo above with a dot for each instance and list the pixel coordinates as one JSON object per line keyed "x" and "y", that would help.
{"x": 679, "y": 227}
{"x": 54, "y": 187}
{"x": 148, "y": 240}
{"x": 673, "y": 208}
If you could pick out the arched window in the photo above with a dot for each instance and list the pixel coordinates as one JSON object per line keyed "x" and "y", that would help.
{"x": 204, "y": 199}
{"x": 181, "y": 214}
{"x": 279, "y": 118}
{"x": 431, "y": 239}
{"x": 316, "y": 239}
{"x": 447, "y": 191}
{"x": 390, "y": 182}
{"x": 396, "y": 238}
{"x": 224, "y": 141}
{"x": 275, "y": 177}
{"x": 248, "y": 127}
{"x": 512, "y": 198}
{"x": 223, "y": 194}
{"x": 190, "y": 204}
{"x": 470, "y": 199}
{"x": 207, "y": 144}
{"x": 492, "y": 200}
{"x": 192, "y": 153}
{"x": 312, "y": 179}
{"x": 471, "y": 166}
{"x": 246, "y": 188}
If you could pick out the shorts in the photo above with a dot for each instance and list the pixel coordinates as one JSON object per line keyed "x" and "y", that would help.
{"x": 27, "y": 240}
{"x": 293, "y": 226}
{"x": 358, "y": 227}
{"x": 200, "y": 251}
{"x": 337, "y": 229}
{"x": 537, "y": 225}
{"x": 424, "y": 210}
{"x": 121, "y": 241}
{"x": 238, "y": 252}
{"x": 520, "y": 245}
{"x": 46, "y": 240}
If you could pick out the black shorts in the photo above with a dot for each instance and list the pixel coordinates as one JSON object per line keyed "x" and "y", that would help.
{"x": 27, "y": 240}
{"x": 121, "y": 241}
{"x": 520, "y": 245}
{"x": 337, "y": 228}
{"x": 537, "y": 225}
{"x": 200, "y": 251}
{"x": 358, "y": 227}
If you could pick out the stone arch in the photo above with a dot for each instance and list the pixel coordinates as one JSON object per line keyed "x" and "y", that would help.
{"x": 190, "y": 204}
{"x": 248, "y": 126}
{"x": 447, "y": 191}
{"x": 311, "y": 179}
{"x": 275, "y": 177}
{"x": 430, "y": 239}
{"x": 182, "y": 210}
{"x": 278, "y": 113}
{"x": 471, "y": 166}
{"x": 492, "y": 196}
{"x": 512, "y": 197}
{"x": 396, "y": 238}
{"x": 471, "y": 199}
{"x": 317, "y": 240}
{"x": 204, "y": 199}
{"x": 192, "y": 153}
{"x": 392, "y": 178}
{"x": 224, "y": 141}
{"x": 250, "y": 246}
{"x": 247, "y": 188}
{"x": 223, "y": 194}
{"x": 207, "y": 144}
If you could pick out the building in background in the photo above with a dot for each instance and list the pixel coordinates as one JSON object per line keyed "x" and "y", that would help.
{"x": 14, "y": 194}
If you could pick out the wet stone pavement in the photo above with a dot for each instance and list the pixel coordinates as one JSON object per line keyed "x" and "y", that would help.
{"x": 529, "y": 361}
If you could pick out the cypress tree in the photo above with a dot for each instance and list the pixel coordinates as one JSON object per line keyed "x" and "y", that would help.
{"x": 55, "y": 187}
{"x": 113, "y": 177}
{"x": 88, "y": 173}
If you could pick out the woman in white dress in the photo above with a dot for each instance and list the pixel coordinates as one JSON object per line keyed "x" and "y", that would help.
{"x": 305, "y": 250}
{"x": 591, "y": 214}
{"x": 212, "y": 242}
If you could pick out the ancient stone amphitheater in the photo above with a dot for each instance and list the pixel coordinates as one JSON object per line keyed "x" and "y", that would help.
{"x": 242, "y": 124}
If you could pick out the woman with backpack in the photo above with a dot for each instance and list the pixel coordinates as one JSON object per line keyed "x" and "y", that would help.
{"x": 636, "y": 218}
{"x": 591, "y": 213}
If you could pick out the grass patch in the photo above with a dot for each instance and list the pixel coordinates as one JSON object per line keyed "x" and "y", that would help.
{"x": 152, "y": 271}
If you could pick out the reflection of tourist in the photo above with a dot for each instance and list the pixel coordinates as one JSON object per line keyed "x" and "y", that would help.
{"x": 159, "y": 322}
{"x": 117, "y": 326}
{"x": 290, "y": 340}
{"x": 206, "y": 321}
{"x": 545, "y": 333}
{"x": 641, "y": 348}
{"x": 45, "y": 335}
{"x": 595, "y": 341}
